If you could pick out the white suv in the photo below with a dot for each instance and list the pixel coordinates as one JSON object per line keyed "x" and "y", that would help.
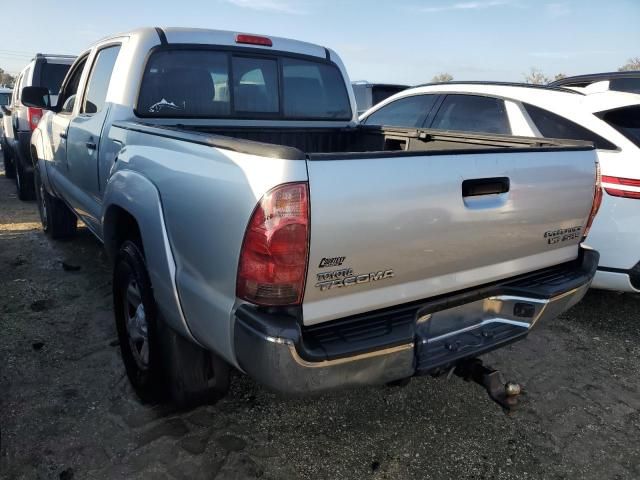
{"x": 19, "y": 121}
{"x": 609, "y": 119}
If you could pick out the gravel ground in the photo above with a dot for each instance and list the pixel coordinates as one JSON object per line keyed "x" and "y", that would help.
{"x": 67, "y": 411}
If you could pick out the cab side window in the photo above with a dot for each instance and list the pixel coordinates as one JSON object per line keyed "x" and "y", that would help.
{"x": 472, "y": 113}
{"x": 99, "y": 78}
{"x": 408, "y": 112}
{"x": 70, "y": 89}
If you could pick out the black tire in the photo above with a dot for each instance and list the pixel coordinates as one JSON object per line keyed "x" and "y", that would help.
{"x": 57, "y": 219}
{"x": 9, "y": 168}
{"x": 196, "y": 376}
{"x": 24, "y": 182}
{"x": 144, "y": 368}
{"x": 193, "y": 376}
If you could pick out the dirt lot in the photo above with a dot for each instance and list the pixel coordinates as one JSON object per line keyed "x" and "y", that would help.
{"x": 67, "y": 410}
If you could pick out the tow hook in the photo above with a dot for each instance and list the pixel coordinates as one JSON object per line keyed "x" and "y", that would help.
{"x": 505, "y": 394}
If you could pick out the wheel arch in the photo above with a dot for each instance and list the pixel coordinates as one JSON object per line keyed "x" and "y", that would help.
{"x": 132, "y": 210}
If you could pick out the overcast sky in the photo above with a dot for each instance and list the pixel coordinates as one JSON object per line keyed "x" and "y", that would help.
{"x": 404, "y": 41}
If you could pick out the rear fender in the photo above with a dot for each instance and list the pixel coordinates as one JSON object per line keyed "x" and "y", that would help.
{"x": 130, "y": 192}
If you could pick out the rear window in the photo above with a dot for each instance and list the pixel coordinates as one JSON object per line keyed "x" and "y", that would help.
{"x": 551, "y": 125}
{"x": 626, "y": 120}
{"x": 5, "y": 99}
{"x": 631, "y": 85}
{"x": 52, "y": 75}
{"x": 214, "y": 84}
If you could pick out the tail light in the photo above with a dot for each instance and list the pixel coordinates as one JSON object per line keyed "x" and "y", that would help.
{"x": 254, "y": 40}
{"x": 33, "y": 116}
{"x": 621, "y": 187}
{"x": 597, "y": 201}
{"x": 275, "y": 250}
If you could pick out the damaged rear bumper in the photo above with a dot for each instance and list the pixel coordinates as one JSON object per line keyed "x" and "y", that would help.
{"x": 418, "y": 338}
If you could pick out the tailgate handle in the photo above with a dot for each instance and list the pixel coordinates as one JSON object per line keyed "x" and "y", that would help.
{"x": 485, "y": 186}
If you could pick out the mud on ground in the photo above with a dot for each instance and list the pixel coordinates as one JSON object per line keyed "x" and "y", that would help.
{"x": 67, "y": 411}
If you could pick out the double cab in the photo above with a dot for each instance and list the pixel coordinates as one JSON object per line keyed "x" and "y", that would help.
{"x": 253, "y": 223}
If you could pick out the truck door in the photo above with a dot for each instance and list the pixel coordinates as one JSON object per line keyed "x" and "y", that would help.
{"x": 60, "y": 124}
{"x": 83, "y": 138}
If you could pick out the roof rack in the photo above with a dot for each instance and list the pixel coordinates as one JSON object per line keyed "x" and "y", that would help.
{"x": 583, "y": 80}
{"x": 504, "y": 84}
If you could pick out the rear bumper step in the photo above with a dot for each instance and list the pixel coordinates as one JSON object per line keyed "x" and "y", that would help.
{"x": 411, "y": 339}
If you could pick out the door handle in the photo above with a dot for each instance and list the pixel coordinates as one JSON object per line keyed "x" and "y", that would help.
{"x": 485, "y": 186}
{"x": 63, "y": 135}
{"x": 91, "y": 145}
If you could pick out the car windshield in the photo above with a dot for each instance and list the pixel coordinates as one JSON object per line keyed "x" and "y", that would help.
{"x": 626, "y": 120}
{"x": 52, "y": 75}
{"x": 215, "y": 84}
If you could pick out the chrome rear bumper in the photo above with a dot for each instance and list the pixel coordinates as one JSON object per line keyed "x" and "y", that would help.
{"x": 272, "y": 349}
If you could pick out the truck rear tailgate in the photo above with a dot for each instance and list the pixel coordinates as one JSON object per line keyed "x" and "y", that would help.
{"x": 387, "y": 228}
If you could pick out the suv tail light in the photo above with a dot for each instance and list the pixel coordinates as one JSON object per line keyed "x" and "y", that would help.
{"x": 597, "y": 201}
{"x": 33, "y": 116}
{"x": 619, "y": 187}
{"x": 275, "y": 250}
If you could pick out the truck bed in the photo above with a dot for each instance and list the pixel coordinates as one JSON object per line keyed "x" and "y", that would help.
{"x": 320, "y": 143}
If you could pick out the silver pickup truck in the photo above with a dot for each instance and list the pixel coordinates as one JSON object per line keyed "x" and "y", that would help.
{"x": 253, "y": 223}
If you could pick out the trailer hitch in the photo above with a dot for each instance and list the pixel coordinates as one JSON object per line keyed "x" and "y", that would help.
{"x": 505, "y": 394}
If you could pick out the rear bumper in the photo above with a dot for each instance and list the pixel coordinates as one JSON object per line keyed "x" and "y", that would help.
{"x": 618, "y": 279}
{"x": 399, "y": 342}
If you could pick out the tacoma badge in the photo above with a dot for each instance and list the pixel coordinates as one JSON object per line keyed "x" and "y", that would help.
{"x": 346, "y": 278}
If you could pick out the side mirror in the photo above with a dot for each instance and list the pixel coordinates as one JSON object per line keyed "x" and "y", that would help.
{"x": 36, "y": 97}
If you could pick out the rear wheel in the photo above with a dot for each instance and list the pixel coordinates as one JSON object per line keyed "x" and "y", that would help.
{"x": 24, "y": 182}
{"x": 57, "y": 219}
{"x": 9, "y": 168}
{"x": 156, "y": 358}
{"x": 136, "y": 322}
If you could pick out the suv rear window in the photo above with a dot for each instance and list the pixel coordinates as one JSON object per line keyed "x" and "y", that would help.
{"x": 626, "y": 120}
{"x": 551, "y": 125}
{"x": 5, "y": 99}
{"x": 215, "y": 84}
{"x": 52, "y": 75}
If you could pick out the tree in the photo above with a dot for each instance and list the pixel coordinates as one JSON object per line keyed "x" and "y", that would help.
{"x": 536, "y": 77}
{"x": 6, "y": 78}
{"x": 559, "y": 76}
{"x": 632, "y": 64}
{"x": 442, "y": 77}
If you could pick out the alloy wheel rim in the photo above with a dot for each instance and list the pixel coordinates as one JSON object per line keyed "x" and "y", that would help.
{"x": 136, "y": 325}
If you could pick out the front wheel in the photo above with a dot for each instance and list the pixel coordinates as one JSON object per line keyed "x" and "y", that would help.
{"x": 57, "y": 219}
